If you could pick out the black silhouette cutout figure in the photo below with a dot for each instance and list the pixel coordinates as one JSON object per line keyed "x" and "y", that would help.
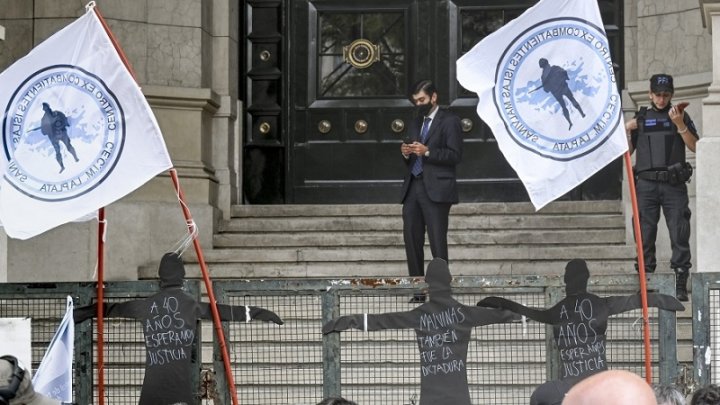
{"x": 54, "y": 125}
{"x": 579, "y": 323}
{"x": 554, "y": 81}
{"x": 443, "y": 327}
{"x": 169, "y": 318}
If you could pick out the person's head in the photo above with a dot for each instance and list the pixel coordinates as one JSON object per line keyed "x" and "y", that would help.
{"x": 543, "y": 62}
{"x": 171, "y": 271}
{"x": 16, "y": 385}
{"x": 438, "y": 278}
{"x": 668, "y": 395}
{"x": 336, "y": 401}
{"x": 708, "y": 395}
{"x": 617, "y": 387}
{"x": 661, "y": 90}
{"x": 576, "y": 276}
{"x": 424, "y": 95}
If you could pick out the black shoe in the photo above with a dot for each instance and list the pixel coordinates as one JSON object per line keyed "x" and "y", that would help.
{"x": 418, "y": 298}
{"x": 681, "y": 279}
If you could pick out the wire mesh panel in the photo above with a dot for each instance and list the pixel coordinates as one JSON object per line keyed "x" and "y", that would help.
{"x": 714, "y": 321}
{"x": 506, "y": 361}
{"x": 277, "y": 364}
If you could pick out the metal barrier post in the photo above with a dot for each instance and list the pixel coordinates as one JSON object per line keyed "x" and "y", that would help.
{"x": 552, "y": 357}
{"x": 667, "y": 325}
{"x": 223, "y": 390}
{"x": 331, "y": 346}
{"x": 701, "y": 327}
{"x": 83, "y": 348}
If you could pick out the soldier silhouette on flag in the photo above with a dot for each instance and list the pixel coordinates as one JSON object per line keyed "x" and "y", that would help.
{"x": 54, "y": 125}
{"x": 554, "y": 81}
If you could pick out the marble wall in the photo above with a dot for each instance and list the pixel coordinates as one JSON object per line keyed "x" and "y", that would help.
{"x": 184, "y": 54}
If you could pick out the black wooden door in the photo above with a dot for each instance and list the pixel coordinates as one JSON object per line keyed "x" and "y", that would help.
{"x": 338, "y": 107}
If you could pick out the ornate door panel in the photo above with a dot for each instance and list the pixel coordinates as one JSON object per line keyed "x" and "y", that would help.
{"x": 342, "y": 112}
{"x": 352, "y": 67}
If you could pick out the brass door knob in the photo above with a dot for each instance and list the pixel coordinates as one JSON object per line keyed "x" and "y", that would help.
{"x": 264, "y": 128}
{"x": 397, "y": 125}
{"x": 324, "y": 126}
{"x": 361, "y": 126}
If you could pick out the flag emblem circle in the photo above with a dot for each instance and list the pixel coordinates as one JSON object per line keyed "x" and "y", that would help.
{"x": 555, "y": 89}
{"x": 63, "y": 133}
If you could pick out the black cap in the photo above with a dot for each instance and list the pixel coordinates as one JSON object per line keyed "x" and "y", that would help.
{"x": 661, "y": 82}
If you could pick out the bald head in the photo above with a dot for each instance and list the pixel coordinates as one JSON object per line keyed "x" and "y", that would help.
{"x": 615, "y": 387}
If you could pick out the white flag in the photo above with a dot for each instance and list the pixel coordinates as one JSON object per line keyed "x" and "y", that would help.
{"x": 54, "y": 376}
{"x": 77, "y": 131}
{"x": 546, "y": 88}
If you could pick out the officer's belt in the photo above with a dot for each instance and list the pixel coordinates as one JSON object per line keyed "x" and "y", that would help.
{"x": 654, "y": 175}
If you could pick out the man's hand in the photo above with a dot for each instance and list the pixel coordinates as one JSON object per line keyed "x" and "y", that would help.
{"x": 418, "y": 148}
{"x": 406, "y": 149}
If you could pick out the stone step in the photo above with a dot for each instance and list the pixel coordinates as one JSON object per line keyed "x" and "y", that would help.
{"x": 560, "y": 207}
{"x": 397, "y": 253}
{"x": 395, "y": 238}
{"x": 372, "y": 269}
{"x": 394, "y": 223}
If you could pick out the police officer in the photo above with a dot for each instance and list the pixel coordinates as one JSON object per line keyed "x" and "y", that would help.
{"x": 660, "y": 134}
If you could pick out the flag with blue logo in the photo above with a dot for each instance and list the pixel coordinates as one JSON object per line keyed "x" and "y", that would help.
{"x": 54, "y": 376}
{"x": 548, "y": 92}
{"x": 77, "y": 132}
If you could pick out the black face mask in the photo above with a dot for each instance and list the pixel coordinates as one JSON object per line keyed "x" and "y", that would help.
{"x": 423, "y": 110}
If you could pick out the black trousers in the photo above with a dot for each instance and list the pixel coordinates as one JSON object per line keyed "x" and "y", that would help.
{"x": 420, "y": 213}
{"x": 673, "y": 200}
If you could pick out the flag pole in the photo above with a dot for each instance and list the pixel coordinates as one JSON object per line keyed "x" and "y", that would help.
{"x": 208, "y": 286}
{"x": 100, "y": 301}
{"x": 188, "y": 217}
{"x": 641, "y": 268}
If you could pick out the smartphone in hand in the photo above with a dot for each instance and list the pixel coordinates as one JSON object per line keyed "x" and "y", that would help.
{"x": 681, "y": 106}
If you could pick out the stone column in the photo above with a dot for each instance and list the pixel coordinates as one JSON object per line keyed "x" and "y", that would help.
{"x": 708, "y": 152}
{"x": 2, "y": 33}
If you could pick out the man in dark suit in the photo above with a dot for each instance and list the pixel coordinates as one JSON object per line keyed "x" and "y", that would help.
{"x": 431, "y": 152}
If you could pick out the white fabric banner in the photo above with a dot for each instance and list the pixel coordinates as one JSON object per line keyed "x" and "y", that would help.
{"x": 77, "y": 131}
{"x": 547, "y": 89}
{"x": 53, "y": 377}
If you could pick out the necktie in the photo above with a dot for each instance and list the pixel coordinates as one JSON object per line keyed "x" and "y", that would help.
{"x": 417, "y": 168}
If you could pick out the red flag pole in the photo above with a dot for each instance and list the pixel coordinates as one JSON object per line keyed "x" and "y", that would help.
{"x": 198, "y": 249}
{"x": 641, "y": 268}
{"x": 100, "y": 311}
{"x": 208, "y": 286}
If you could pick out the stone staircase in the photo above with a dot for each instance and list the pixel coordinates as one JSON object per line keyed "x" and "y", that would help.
{"x": 298, "y": 241}
{"x": 347, "y": 241}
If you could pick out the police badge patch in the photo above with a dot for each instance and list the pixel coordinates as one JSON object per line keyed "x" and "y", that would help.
{"x": 63, "y": 133}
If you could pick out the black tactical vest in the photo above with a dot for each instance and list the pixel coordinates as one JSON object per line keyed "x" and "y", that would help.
{"x": 658, "y": 143}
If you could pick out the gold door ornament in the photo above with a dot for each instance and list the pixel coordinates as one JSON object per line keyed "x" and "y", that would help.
{"x": 361, "y": 53}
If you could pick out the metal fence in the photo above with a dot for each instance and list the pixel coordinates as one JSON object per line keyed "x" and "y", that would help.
{"x": 296, "y": 364}
{"x": 706, "y": 328}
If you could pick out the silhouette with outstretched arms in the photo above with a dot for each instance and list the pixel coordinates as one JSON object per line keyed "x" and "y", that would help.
{"x": 443, "y": 327}
{"x": 54, "y": 125}
{"x": 169, "y": 320}
{"x": 579, "y": 323}
{"x": 554, "y": 81}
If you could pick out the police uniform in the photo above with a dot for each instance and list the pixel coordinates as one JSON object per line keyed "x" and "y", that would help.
{"x": 660, "y": 154}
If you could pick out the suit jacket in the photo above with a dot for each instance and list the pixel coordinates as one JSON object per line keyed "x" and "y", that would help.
{"x": 445, "y": 144}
